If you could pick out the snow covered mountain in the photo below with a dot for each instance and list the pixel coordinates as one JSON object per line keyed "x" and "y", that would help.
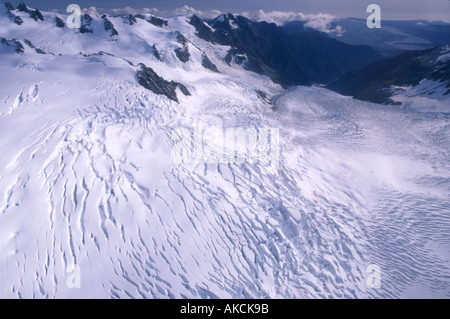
{"x": 299, "y": 59}
{"x": 93, "y": 205}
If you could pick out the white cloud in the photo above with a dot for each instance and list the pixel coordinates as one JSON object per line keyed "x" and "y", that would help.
{"x": 206, "y": 14}
{"x": 321, "y": 21}
{"x": 278, "y": 17}
{"x": 185, "y": 10}
{"x": 119, "y": 11}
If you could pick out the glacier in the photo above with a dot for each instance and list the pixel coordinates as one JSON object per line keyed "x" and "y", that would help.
{"x": 87, "y": 181}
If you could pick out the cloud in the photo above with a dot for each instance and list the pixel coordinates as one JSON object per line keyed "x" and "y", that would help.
{"x": 119, "y": 11}
{"x": 185, "y": 10}
{"x": 321, "y": 22}
{"x": 205, "y": 14}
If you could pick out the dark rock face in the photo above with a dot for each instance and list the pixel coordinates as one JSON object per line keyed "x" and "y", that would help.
{"x": 183, "y": 89}
{"x": 19, "y": 46}
{"x": 28, "y": 42}
{"x": 206, "y": 63}
{"x": 373, "y": 83}
{"x": 158, "y": 21}
{"x": 9, "y": 6}
{"x": 18, "y": 20}
{"x": 22, "y": 7}
{"x": 183, "y": 54}
{"x": 299, "y": 59}
{"x": 39, "y": 51}
{"x": 153, "y": 20}
{"x": 265, "y": 98}
{"x": 203, "y": 31}
{"x": 153, "y": 82}
{"x": 156, "y": 53}
{"x": 129, "y": 19}
{"x": 181, "y": 39}
{"x": 109, "y": 26}
{"x": 59, "y": 22}
{"x": 16, "y": 44}
{"x": 86, "y": 24}
{"x": 35, "y": 14}
{"x": 261, "y": 94}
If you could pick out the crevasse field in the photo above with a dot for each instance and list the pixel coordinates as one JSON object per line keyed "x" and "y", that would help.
{"x": 87, "y": 178}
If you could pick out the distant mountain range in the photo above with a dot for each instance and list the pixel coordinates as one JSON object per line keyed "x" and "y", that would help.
{"x": 427, "y": 72}
{"x": 394, "y": 37}
{"x": 290, "y": 59}
{"x": 350, "y": 62}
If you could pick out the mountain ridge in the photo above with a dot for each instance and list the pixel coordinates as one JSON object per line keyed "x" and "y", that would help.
{"x": 382, "y": 80}
{"x": 301, "y": 59}
{"x": 94, "y": 196}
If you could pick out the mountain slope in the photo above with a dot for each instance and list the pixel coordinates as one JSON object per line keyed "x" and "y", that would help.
{"x": 300, "y": 59}
{"x": 88, "y": 178}
{"x": 416, "y": 73}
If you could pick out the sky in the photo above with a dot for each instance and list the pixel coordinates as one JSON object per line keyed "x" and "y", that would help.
{"x": 390, "y": 9}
